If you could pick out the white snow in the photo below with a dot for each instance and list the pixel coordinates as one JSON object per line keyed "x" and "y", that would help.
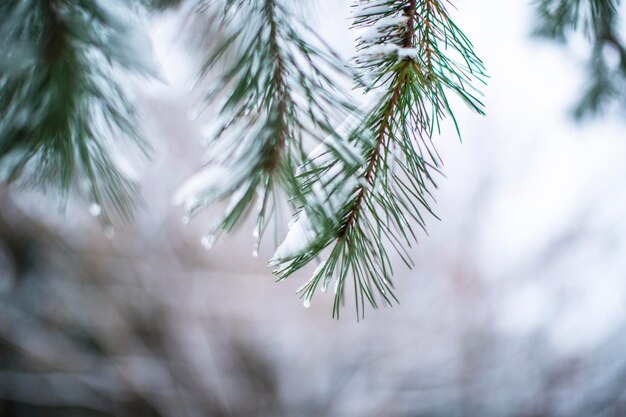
{"x": 372, "y": 8}
{"x": 202, "y": 185}
{"x": 95, "y": 210}
{"x": 384, "y": 49}
{"x": 407, "y": 52}
{"x": 319, "y": 268}
{"x": 301, "y": 234}
{"x": 208, "y": 241}
{"x": 389, "y": 21}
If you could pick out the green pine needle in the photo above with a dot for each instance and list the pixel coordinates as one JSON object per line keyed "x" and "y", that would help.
{"x": 598, "y": 21}
{"x": 275, "y": 90}
{"x": 61, "y": 108}
{"x": 415, "y": 55}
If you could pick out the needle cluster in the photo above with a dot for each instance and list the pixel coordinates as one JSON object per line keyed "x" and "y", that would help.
{"x": 598, "y": 21}
{"x": 62, "y": 102}
{"x": 275, "y": 88}
{"x": 413, "y": 57}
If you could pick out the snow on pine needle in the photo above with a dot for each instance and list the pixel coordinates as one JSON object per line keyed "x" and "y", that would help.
{"x": 63, "y": 101}
{"x": 275, "y": 89}
{"x": 412, "y": 56}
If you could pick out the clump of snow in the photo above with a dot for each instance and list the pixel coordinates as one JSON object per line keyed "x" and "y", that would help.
{"x": 407, "y": 52}
{"x": 301, "y": 234}
{"x": 380, "y": 39}
{"x": 329, "y": 192}
{"x": 390, "y": 21}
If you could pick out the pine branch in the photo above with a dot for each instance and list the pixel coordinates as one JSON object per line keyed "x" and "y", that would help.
{"x": 416, "y": 55}
{"x": 275, "y": 90}
{"x": 598, "y": 21}
{"x": 61, "y": 106}
{"x": 160, "y": 5}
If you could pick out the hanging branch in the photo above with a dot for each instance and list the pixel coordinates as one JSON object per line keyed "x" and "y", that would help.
{"x": 275, "y": 90}
{"x": 598, "y": 21}
{"x": 160, "y": 5}
{"x": 415, "y": 55}
{"x": 60, "y": 102}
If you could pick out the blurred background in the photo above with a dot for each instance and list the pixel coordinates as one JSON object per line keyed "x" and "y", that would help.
{"x": 517, "y": 305}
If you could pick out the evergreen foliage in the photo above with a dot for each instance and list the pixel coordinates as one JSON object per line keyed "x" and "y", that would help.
{"x": 273, "y": 89}
{"x": 276, "y": 92}
{"x": 598, "y": 21}
{"x": 61, "y": 106}
{"x": 416, "y": 56}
